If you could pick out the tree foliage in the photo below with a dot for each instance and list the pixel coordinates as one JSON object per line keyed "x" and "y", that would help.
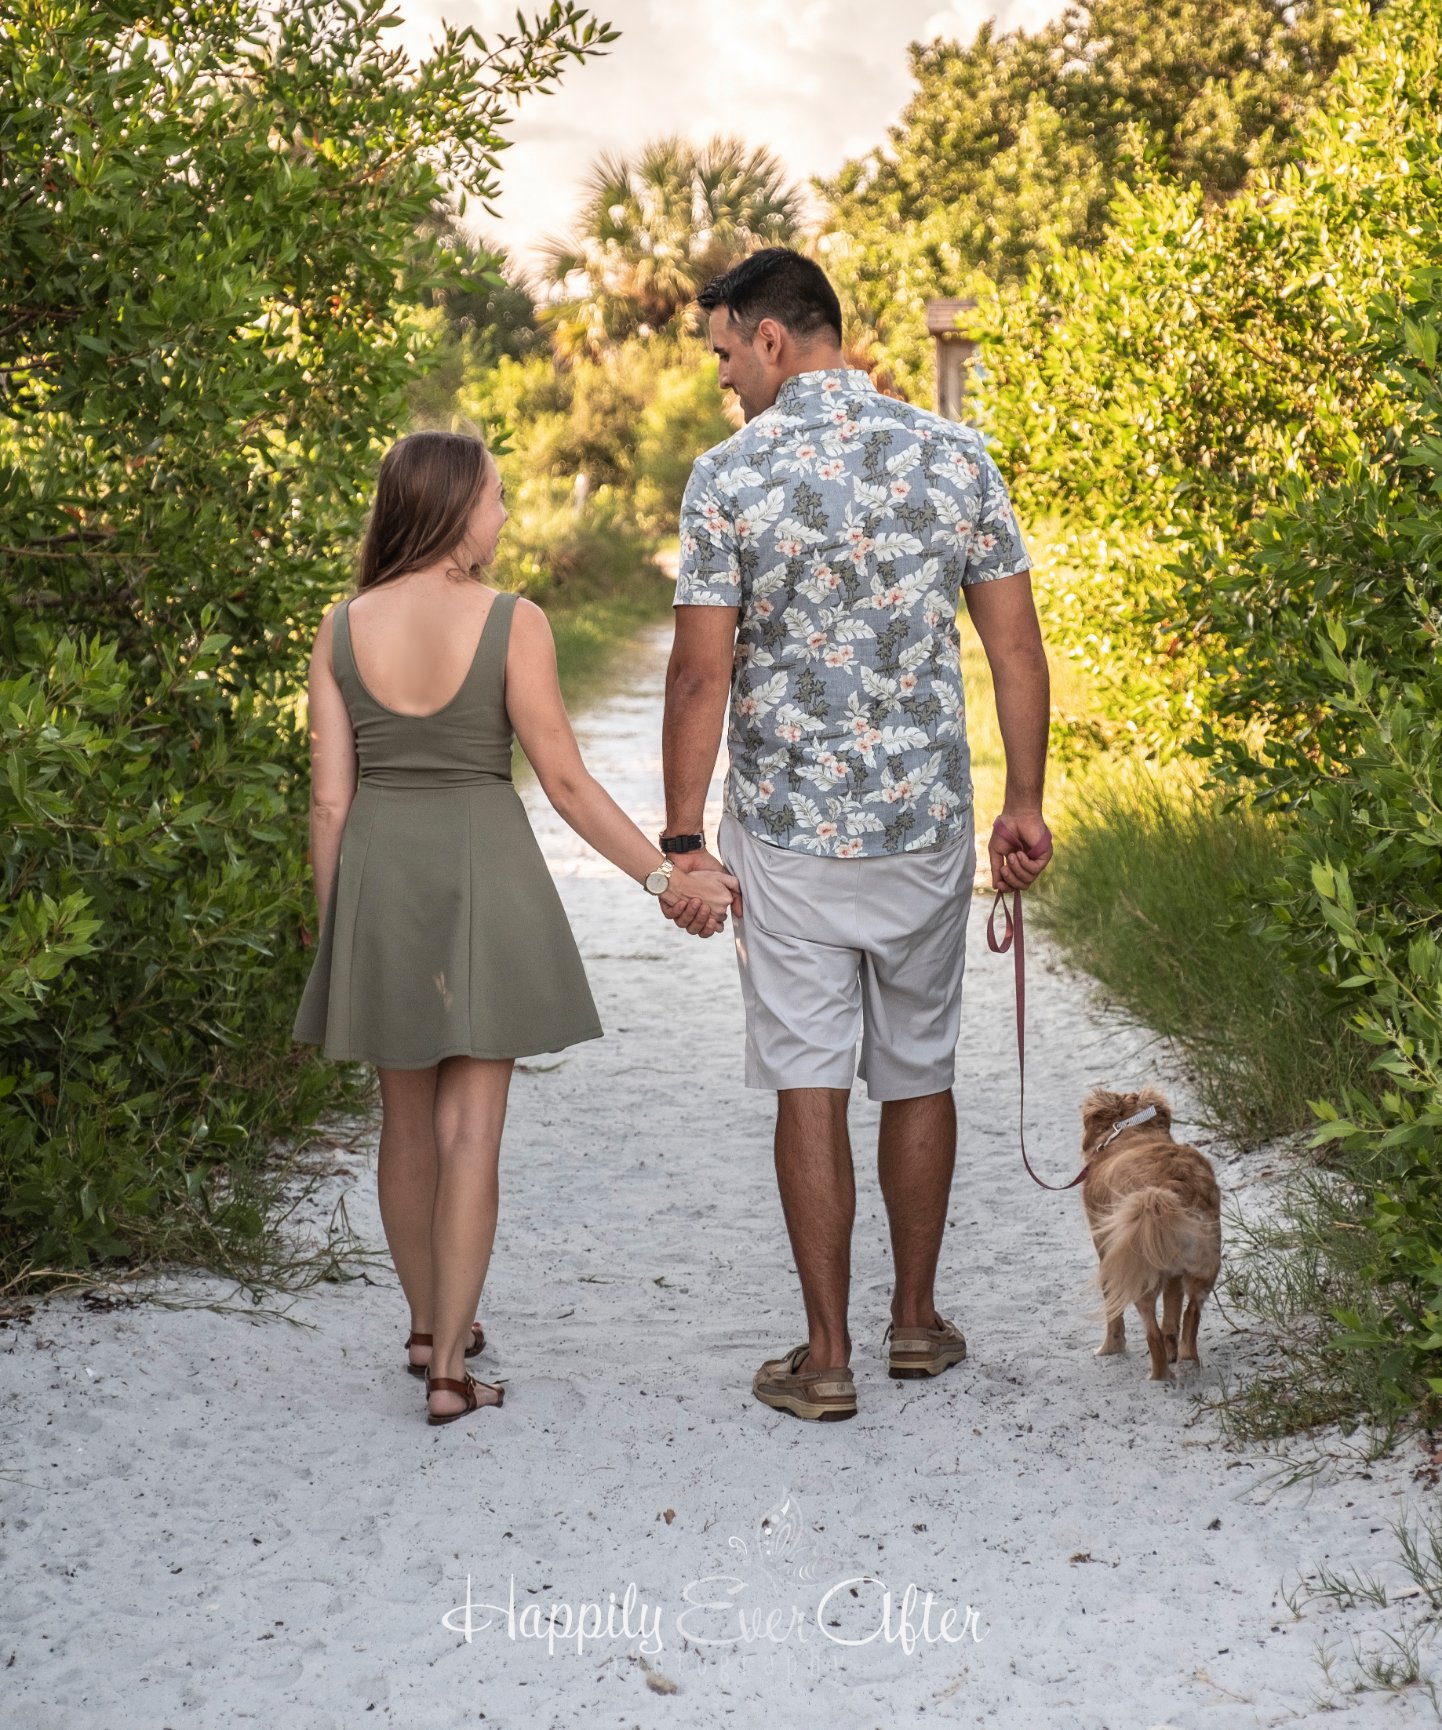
{"x": 1019, "y": 142}
{"x": 619, "y": 431}
{"x": 653, "y": 229}
{"x": 1233, "y": 414}
{"x": 210, "y": 251}
{"x": 484, "y": 301}
{"x": 482, "y": 314}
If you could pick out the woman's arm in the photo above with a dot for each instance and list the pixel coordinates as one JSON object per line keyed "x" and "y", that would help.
{"x": 333, "y": 765}
{"x": 534, "y": 703}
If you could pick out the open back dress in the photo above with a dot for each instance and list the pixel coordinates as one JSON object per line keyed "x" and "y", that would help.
{"x": 444, "y": 934}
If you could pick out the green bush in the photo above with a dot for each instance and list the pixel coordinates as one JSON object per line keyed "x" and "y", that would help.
{"x": 1243, "y": 401}
{"x": 210, "y": 247}
{"x": 631, "y": 420}
{"x": 683, "y": 415}
{"x": 1361, "y": 904}
{"x": 1346, "y": 589}
{"x": 147, "y": 978}
{"x": 1213, "y": 372}
{"x": 564, "y": 554}
{"x": 596, "y": 451}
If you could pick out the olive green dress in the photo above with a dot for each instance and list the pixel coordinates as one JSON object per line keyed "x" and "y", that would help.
{"x": 444, "y": 935}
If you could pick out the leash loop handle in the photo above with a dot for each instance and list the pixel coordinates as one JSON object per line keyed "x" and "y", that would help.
{"x": 1012, "y": 937}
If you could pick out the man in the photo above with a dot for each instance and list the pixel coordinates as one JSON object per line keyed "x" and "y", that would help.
{"x": 823, "y": 550}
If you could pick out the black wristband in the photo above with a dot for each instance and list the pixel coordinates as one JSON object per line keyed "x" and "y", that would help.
{"x": 682, "y": 843}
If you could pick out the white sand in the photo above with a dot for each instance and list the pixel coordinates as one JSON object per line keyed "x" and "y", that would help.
{"x": 211, "y": 1520}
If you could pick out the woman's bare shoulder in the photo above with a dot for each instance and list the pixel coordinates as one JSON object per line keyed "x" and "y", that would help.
{"x": 326, "y": 628}
{"x": 529, "y": 624}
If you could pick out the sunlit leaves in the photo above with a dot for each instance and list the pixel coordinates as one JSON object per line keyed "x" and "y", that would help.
{"x": 214, "y": 233}
{"x": 1232, "y": 415}
{"x": 1018, "y": 143}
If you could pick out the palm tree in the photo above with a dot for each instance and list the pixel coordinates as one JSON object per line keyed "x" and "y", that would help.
{"x": 653, "y": 229}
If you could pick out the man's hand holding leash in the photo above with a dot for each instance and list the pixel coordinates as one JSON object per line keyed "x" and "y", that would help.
{"x": 1020, "y": 849}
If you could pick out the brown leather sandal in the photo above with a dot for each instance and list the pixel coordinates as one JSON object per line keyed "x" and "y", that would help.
{"x": 477, "y": 1345}
{"x": 467, "y": 1390}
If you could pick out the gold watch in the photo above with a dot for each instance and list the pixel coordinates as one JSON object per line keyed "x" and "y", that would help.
{"x": 657, "y": 882}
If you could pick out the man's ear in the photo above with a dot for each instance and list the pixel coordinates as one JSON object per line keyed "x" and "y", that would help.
{"x": 770, "y": 339}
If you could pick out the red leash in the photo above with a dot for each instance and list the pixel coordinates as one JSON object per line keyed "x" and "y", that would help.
{"x": 1008, "y": 901}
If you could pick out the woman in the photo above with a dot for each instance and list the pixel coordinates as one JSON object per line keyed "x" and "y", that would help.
{"x": 445, "y": 953}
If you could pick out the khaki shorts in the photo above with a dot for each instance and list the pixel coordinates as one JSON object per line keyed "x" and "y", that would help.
{"x": 833, "y": 949}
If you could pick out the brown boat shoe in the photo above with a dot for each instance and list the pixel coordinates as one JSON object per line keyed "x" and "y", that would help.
{"x": 825, "y": 1396}
{"x": 917, "y": 1352}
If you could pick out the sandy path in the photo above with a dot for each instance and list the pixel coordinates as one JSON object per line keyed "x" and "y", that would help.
{"x": 213, "y": 1521}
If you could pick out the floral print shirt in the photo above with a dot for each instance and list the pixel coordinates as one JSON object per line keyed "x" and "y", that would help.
{"x": 843, "y": 525}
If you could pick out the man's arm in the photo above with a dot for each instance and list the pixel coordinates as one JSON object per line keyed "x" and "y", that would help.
{"x": 698, "y": 679}
{"x": 698, "y": 686}
{"x": 1006, "y": 621}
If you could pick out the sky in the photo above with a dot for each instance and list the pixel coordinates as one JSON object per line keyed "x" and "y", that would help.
{"x": 817, "y": 81}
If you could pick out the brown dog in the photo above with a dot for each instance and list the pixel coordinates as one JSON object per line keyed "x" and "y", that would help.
{"x": 1155, "y": 1214}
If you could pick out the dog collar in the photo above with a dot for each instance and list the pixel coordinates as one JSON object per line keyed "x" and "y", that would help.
{"x": 1131, "y": 1122}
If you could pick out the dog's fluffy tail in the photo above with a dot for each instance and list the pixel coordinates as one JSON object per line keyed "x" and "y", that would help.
{"x": 1148, "y": 1233}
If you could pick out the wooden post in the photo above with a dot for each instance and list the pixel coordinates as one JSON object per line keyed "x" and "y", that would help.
{"x": 953, "y": 352}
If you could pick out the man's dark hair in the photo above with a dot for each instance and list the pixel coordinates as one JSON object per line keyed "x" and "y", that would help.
{"x": 776, "y": 283}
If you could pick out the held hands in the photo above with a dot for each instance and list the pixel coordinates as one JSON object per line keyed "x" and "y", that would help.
{"x": 709, "y": 893}
{"x": 1020, "y": 849}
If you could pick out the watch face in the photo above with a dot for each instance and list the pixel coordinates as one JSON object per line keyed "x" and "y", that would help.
{"x": 659, "y": 881}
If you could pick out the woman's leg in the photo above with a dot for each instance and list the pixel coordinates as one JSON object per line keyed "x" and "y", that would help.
{"x": 406, "y": 1182}
{"x": 470, "y": 1112}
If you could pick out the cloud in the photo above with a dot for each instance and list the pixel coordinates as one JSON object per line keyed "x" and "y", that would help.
{"x": 817, "y": 81}
{"x": 959, "y": 21}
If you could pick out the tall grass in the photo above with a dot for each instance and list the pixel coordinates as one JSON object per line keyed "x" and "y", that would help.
{"x": 1292, "y": 1267}
{"x": 1156, "y": 890}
